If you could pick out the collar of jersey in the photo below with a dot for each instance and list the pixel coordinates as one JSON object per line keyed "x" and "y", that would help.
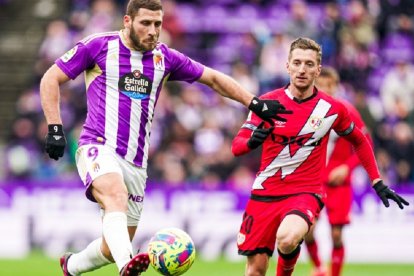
{"x": 289, "y": 94}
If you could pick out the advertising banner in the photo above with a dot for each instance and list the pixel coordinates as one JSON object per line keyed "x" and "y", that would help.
{"x": 56, "y": 217}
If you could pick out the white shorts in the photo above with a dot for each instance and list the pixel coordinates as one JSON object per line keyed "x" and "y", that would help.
{"x": 93, "y": 161}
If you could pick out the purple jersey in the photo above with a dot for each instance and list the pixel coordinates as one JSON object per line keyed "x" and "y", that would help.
{"x": 123, "y": 86}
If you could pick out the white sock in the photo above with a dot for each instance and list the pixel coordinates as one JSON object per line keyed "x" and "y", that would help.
{"x": 115, "y": 231}
{"x": 89, "y": 259}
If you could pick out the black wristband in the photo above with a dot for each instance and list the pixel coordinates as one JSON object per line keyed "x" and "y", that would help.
{"x": 55, "y": 128}
{"x": 379, "y": 186}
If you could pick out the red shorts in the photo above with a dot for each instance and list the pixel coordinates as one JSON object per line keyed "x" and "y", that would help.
{"x": 338, "y": 204}
{"x": 261, "y": 221}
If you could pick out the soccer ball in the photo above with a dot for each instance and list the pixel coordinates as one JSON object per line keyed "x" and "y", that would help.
{"x": 171, "y": 252}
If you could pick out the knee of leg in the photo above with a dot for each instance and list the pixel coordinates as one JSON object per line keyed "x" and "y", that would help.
{"x": 121, "y": 198}
{"x": 286, "y": 243}
{"x": 337, "y": 237}
{"x": 116, "y": 200}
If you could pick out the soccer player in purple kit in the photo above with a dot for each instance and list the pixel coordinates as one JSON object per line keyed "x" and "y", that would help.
{"x": 124, "y": 72}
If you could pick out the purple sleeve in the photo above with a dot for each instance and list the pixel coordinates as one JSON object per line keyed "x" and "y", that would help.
{"x": 75, "y": 61}
{"x": 184, "y": 68}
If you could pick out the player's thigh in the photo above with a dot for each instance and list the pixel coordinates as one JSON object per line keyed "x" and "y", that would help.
{"x": 300, "y": 212}
{"x": 98, "y": 167}
{"x": 135, "y": 179}
{"x": 110, "y": 191}
{"x": 291, "y": 231}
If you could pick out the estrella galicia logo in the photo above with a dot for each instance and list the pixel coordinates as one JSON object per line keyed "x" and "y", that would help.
{"x": 135, "y": 85}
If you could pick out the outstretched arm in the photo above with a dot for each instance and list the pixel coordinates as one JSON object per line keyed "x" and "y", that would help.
{"x": 366, "y": 155}
{"x": 228, "y": 87}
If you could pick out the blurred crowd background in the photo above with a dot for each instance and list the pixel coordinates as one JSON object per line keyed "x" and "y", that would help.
{"x": 370, "y": 43}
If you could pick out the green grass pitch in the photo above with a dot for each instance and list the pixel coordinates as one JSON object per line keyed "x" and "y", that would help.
{"x": 39, "y": 265}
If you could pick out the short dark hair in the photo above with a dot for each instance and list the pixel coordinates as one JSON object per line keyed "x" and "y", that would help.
{"x": 306, "y": 44}
{"x": 134, "y": 6}
{"x": 329, "y": 72}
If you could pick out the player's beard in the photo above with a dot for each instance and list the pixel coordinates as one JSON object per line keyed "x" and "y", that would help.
{"x": 136, "y": 43}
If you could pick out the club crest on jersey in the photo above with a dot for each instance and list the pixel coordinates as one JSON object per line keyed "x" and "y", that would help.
{"x": 96, "y": 167}
{"x": 241, "y": 238}
{"x": 69, "y": 54}
{"x": 135, "y": 85}
{"x": 158, "y": 60}
{"x": 315, "y": 122}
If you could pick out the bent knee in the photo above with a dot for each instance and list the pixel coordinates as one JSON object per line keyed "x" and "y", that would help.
{"x": 115, "y": 201}
{"x": 287, "y": 242}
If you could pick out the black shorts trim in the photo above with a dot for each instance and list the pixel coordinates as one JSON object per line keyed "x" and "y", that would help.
{"x": 268, "y": 198}
{"x": 302, "y": 215}
{"x": 256, "y": 251}
{"x": 282, "y": 197}
{"x": 340, "y": 224}
{"x": 319, "y": 199}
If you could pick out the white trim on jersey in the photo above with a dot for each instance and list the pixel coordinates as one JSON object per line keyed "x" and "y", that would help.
{"x": 333, "y": 137}
{"x": 112, "y": 94}
{"x": 136, "y": 64}
{"x": 158, "y": 74}
{"x": 287, "y": 163}
{"x": 91, "y": 37}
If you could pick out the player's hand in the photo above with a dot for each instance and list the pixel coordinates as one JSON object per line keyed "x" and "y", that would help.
{"x": 258, "y": 136}
{"x": 338, "y": 175}
{"x": 55, "y": 141}
{"x": 385, "y": 193}
{"x": 268, "y": 109}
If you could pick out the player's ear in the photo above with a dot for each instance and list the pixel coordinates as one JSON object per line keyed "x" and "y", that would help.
{"x": 287, "y": 67}
{"x": 127, "y": 21}
{"x": 319, "y": 70}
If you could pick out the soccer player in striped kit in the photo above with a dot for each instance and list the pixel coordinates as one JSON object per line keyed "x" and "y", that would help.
{"x": 124, "y": 72}
{"x": 341, "y": 160}
{"x": 287, "y": 194}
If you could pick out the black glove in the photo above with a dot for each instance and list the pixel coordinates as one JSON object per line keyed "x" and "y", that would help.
{"x": 268, "y": 109}
{"x": 386, "y": 193}
{"x": 55, "y": 141}
{"x": 258, "y": 136}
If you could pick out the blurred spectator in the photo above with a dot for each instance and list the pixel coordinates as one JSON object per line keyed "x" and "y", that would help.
{"x": 21, "y": 149}
{"x": 361, "y": 104}
{"x": 244, "y": 76}
{"x": 397, "y": 91}
{"x": 272, "y": 71}
{"x": 402, "y": 150}
{"x": 57, "y": 41}
{"x": 302, "y": 22}
{"x": 173, "y": 30}
{"x": 329, "y": 27}
{"x": 353, "y": 61}
{"x": 399, "y": 41}
{"x": 359, "y": 24}
{"x": 104, "y": 16}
